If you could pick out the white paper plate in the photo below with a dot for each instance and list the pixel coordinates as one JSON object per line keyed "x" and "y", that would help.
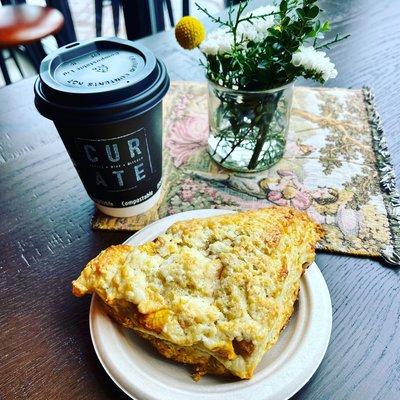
{"x": 144, "y": 375}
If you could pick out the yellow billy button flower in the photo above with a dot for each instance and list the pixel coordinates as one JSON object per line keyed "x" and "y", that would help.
{"x": 189, "y": 32}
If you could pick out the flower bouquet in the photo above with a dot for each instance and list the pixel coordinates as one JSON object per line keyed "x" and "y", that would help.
{"x": 251, "y": 63}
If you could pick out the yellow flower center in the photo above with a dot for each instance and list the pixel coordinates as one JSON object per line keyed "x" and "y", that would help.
{"x": 189, "y": 32}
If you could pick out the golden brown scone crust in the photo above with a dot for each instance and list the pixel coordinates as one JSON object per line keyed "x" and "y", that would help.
{"x": 203, "y": 362}
{"x": 213, "y": 292}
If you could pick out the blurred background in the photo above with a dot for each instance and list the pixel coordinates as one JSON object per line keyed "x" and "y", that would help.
{"x": 28, "y": 33}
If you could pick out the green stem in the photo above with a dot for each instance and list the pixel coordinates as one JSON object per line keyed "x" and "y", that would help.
{"x": 236, "y": 127}
{"x": 259, "y": 145}
{"x": 337, "y": 39}
{"x": 216, "y": 147}
{"x": 264, "y": 128}
{"x": 224, "y": 113}
{"x": 238, "y": 143}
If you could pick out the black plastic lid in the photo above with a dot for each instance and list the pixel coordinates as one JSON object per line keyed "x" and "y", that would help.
{"x": 100, "y": 80}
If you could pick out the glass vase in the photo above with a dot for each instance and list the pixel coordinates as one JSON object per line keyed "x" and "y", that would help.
{"x": 248, "y": 129}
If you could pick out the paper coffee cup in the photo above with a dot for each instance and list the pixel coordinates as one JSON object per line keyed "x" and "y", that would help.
{"x": 105, "y": 99}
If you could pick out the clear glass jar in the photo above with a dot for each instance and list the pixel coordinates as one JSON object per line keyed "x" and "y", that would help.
{"x": 248, "y": 128}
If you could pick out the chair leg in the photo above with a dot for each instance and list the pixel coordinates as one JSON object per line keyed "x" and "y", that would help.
{"x": 33, "y": 57}
{"x": 13, "y": 54}
{"x": 159, "y": 14}
{"x": 4, "y": 70}
{"x": 115, "y": 9}
{"x": 36, "y": 54}
{"x": 185, "y": 7}
{"x": 137, "y": 18}
{"x": 98, "y": 10}
{"x": 170, "y": 12}
{"x": 67, "y": 33}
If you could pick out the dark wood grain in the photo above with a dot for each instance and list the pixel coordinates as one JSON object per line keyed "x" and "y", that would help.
{"x": 45, "y": 236}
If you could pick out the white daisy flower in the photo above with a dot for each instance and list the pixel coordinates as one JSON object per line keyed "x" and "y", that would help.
{"x": 246, "y": 32}
{"x": 314, "y": 61}
{"x": 220, "y": 41}
{"x": 261, "y": 25}
{"x": 217, "y": 42}
{"x": 209, "y": 47}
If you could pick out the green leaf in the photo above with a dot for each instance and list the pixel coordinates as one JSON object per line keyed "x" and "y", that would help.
{"x": 283, "y": 7}
{"x": 285, "y": 21}
{"x": 274, "y": 32}
{"x": 326, "y": 26}
{"x": 308, "y": 30}
{"x": 300, "y": 13}
{"x": 314, "y": 11}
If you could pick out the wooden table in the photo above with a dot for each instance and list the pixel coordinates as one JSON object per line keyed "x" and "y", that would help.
{"x": 45, "y": 347}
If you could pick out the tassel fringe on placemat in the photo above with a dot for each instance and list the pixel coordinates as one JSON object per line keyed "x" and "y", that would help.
{"x": 387, "y": 176}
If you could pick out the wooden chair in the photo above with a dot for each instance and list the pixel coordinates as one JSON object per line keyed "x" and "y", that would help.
{"x": 23, "y": 24}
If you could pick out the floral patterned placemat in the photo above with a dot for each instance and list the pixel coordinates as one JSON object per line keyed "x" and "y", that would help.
{"x": 336, "y": 167}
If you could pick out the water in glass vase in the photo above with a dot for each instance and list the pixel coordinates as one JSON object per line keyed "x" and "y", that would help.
{"x": 248, "y": 129}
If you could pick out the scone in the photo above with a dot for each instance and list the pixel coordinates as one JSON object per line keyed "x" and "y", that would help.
{"x": 213, "y": 292}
